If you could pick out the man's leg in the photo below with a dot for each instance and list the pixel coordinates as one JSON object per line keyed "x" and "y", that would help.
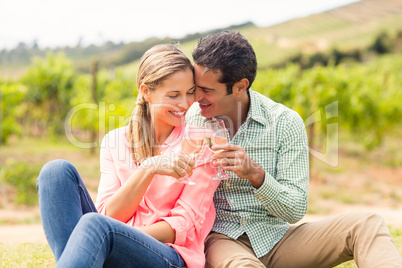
{"x": 362, "y": 236}
{"x": 223, "y": 252}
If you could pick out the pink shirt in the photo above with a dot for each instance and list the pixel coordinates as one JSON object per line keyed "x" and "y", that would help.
{"x": 188, "y": 209}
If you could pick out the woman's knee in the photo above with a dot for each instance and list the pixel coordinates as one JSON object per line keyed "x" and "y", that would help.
{"x": 54, "y": 170}
{"x": 92, "y": 217}
{"x": 94, "y": 224}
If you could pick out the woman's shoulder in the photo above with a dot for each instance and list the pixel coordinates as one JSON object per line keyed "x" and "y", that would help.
{"x": 116, "y": 137}
{"x": 117, "y": 132}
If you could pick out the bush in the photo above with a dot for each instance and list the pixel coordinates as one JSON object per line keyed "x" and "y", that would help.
{"x": 21, "y": 177}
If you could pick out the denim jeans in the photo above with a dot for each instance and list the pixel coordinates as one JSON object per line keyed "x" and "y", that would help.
{"x": 80, "y": 237}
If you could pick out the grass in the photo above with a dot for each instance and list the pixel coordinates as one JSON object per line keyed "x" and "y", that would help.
{"x": 38, "y": 255}
{"x": 26, "y": 255}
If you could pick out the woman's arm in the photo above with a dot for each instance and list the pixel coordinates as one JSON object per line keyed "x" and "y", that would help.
{"x": 119, "y": 197}
{"x": 124, "y": 202}
{"x": 161, "y": 231}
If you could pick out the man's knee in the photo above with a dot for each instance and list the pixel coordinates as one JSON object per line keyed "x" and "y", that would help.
{"x": 369, "y": 219}
{"x": 235, "y": 262}
{"x": 373, "y": 224}
{"x": 224, "y": 252}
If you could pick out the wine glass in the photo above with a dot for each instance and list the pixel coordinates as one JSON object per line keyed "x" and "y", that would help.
{"x": 191, "y": 145}
{"x": 219, "y": 136}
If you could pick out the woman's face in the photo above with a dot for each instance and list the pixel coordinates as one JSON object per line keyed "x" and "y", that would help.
{"x": 170, "y": 100}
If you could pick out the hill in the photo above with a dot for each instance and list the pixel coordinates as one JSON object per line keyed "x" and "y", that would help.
{"x": 347, "y": 28}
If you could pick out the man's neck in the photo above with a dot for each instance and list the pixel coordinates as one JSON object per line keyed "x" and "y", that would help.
{"x": 239, "y": 115}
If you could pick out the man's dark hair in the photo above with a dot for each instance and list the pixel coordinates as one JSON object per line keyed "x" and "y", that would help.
{"x": 228, "y": 53}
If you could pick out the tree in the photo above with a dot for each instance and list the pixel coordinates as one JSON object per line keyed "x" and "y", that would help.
{"x": 50, "y": 82}
{"x": 11, "y": 95}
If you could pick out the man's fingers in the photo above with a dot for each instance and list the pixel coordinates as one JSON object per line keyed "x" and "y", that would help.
{"x": 229, "y": 168}
{"x": 225, "y": 154}
{"x": 225, "y": 146}
{"x": 225, "y": 161}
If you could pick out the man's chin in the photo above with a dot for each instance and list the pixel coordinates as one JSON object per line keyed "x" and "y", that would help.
{"x": 206, "y": 114}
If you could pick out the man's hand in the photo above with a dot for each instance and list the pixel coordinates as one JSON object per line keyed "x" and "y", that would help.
{"x": 233, "y": 158}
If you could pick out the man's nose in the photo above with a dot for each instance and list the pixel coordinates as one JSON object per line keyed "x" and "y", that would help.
{"x": 198, "y": 94}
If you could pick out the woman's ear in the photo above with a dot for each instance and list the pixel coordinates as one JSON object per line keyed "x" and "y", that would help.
{"x": 241, "y": 87}
{"x": 145, "y": 92}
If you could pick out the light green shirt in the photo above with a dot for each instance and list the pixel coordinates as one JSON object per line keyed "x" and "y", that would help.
{"x": 274, "y": 136}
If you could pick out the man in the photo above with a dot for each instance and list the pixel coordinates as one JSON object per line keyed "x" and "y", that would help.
{"x": 268, "y": 160}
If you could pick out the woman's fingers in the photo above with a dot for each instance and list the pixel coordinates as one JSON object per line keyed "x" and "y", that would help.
{"x": 184, "y": 165}
{"x": 179, "y": 171}
{"x": 173, "y": 165}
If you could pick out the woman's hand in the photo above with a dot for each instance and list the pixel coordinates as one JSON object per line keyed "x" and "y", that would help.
{"x": 175, "y": 165}
{"x": 124, "y": 202}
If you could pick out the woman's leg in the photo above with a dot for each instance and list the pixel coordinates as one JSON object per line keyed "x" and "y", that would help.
{"x": 63, "y": 199}
{"x": 100, "y": 241}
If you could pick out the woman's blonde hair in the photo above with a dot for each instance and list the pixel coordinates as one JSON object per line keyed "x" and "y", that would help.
{"x": 157, "y": 64}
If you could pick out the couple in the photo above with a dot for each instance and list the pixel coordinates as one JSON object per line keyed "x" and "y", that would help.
{"x": 153, "y": 221}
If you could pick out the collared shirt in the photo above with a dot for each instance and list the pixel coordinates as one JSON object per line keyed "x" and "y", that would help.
{"x": 274, "y": 137}
{"x": 188, "y": 209}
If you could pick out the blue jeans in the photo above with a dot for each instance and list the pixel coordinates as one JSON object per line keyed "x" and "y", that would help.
{"x": 80, "y": 237}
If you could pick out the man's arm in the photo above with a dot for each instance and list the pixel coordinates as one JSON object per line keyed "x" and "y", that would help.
{"x": 284, "y": 195}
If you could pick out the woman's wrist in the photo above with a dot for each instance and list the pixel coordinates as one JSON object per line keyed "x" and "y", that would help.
{"x": 148, "y": 166}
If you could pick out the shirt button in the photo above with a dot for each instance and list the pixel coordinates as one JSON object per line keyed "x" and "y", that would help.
{"x": 231, "y": 200}
{"x": 244, "y": 221}
{"x": 202, "y": 222}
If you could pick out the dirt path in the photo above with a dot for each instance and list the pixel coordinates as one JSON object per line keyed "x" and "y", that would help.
{"x": 16, "y": 234}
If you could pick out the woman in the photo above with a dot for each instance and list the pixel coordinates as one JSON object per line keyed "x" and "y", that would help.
{"x": 146, "y": 218}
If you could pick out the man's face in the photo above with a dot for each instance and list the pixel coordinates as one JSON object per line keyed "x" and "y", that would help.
{"x": 212, "y": 95}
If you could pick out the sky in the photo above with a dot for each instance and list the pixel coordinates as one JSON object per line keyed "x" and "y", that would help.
{"x": 55, "y": 23}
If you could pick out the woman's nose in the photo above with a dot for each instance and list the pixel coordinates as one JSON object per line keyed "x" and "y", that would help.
{"x": 185, "y": 102}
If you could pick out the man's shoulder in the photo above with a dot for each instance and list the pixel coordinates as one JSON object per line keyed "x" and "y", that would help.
{"x": 274, "y": 110}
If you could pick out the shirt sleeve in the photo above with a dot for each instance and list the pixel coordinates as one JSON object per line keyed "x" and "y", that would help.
{"x": 286, "y": 195}
{"x": 109, "y": 180}
{"x": 188, "y": 217}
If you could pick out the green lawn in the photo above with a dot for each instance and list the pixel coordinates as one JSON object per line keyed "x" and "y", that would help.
{"x": 36, "y": 255}
{"x": 26, "y": 255}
